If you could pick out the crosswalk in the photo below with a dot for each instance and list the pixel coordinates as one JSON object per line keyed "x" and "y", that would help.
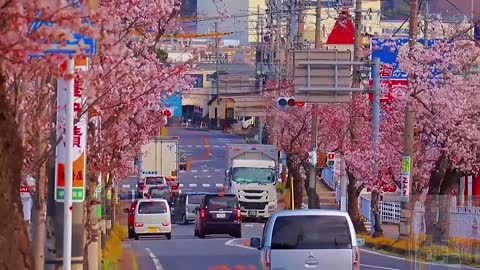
{"x": 203, "y": 171}
{"x": 201, "y": 145}
{"x": 205, "y": 185}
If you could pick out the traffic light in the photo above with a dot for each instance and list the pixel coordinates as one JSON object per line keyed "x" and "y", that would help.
{"x": 322, "y": 159}
{"x": 312, "y": 157}
{"x": 167, "y": 112}
{"x": 331, "y": 159}
{"x": 289, "y": 102}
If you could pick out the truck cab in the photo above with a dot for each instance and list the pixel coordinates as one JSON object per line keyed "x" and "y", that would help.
{"x": 251, "y": 175}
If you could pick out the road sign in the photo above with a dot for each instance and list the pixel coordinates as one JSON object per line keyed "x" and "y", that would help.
{"x": 70, "y": 47}
{"x": 333, "y": 3}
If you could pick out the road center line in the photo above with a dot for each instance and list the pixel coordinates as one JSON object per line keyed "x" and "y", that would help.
{"x": 232, "y": 243}
{"x": 378, "y": 267}
{"x": 157, "y": 263}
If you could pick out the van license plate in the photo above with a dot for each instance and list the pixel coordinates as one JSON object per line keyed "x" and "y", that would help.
{"x": 252, "y": 213}
{"x": 220, "y": 215}
{"x": 152, "y": 229}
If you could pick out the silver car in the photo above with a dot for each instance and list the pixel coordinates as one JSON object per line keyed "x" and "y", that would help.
{"x": 308, "y": 239}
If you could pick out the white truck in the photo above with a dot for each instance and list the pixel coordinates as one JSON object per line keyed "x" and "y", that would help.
{"x": 252, "y": 175}
{"x": 160, "y": 159}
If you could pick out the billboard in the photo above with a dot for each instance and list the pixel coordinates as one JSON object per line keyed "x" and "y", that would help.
{"x": 174, "y": 103}
{"x": 391, "y": 75}
{"x": 79, "y": 138}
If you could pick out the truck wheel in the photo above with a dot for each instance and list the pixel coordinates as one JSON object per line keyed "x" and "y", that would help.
{"x": 184, "y": 220}
{"x": 195, "y": 232}
{"x": 169, "y": 236}
{"x": 131, "y": 234}
{"x": 201, "y": 234}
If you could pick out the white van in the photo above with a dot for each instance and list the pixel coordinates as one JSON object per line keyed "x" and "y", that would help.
{"x": 152, "y": 217}
{"x": 308, "y": 239}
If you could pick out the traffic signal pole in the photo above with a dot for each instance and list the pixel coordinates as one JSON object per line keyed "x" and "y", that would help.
{"x": 312, "y": 184}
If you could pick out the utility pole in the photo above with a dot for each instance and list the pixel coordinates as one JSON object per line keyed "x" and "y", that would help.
{"x": 301, "y": 23}
{"x": 217, "y": 111}
{"x": 407, "y": 163}
{"x": 425, "y": 25}
{"x": 259, "y": 69}
{"x": 357, "y": 46}
{"x": 312, "y": 181}
{"x": 278, "y": 19}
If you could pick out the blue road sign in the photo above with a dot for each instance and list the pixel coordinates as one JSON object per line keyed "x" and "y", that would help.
{"x": 388, "y": 56}
{"x": 71, "y": 47}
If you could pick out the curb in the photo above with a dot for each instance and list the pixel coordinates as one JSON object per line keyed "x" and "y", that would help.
{"x": 199, "y": 129}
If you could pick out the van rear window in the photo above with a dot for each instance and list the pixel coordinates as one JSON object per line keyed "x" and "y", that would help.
{"x": 155, "y": 181}
{"x": 152, "y": 208}
{"x": 225, "y": 202}
{"x": 311, "y": 232}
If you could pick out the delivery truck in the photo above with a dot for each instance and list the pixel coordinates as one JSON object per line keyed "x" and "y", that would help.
{"x": 160, "y": 160}
{"x": 252, "y": 176}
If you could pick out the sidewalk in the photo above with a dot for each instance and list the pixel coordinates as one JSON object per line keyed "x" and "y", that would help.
{"x": 128, "y": 261}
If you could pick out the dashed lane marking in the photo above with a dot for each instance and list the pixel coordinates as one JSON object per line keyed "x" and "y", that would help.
{"x": 157, "y": 263}
{"x": 205, "y": 170}
{"x": 219, "y": 185}
{"x": 206, "y": 185}
{"x": 192, "y": 185}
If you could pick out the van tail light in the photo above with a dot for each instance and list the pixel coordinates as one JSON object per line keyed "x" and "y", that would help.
{"x": 203, "y": 213}
{"x": 148, "y": 196}
{"x": 268, "y": 263}
{"x": 166, "y": 223}
{"x": 175, "y": 187}
{"x": 138, "y": 224}
{"x": 356, "y": 258}
{"x": 131, "y": 220}
{"x": 238, "y": 213}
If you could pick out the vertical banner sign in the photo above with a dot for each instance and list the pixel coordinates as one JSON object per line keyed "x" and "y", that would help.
{"x": 79, "y": 138}
{"x": 406, "y": 177}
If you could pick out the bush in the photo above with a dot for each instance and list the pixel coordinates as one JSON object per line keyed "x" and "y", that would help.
{"x": 113, "y": 247}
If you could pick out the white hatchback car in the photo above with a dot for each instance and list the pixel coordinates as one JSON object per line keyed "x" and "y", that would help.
{"x": 308, "y": 239}
{"x": 152, "y": 217}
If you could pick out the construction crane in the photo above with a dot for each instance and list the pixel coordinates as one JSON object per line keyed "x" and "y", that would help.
{"x": 198, "y": 19}
{"x": 207, "y": 35}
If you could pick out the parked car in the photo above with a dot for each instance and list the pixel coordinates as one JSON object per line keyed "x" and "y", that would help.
{"x": 131, "y": 219}
{"x": 185, "y": 206}
{"x": 160, "y": 192}
{"x": 152, "y": 217}
{"x": 306, "y": 239}
{"x": 218, "y": 214}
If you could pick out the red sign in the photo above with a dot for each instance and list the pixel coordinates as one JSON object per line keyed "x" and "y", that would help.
{"x": 167, "y": 113}
{"x": 24, "y": 189}
{"x": 331, "y": 156}
{"x": 387, "y": 87}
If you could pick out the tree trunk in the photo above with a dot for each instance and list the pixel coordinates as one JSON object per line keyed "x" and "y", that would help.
{"x": 306, "y": 184}
{"x": 297, "y": 183}
{"x": 375, "y": 205}
{"x": 451, "y": 178}
{"x": 352, "y": 204}
{"x": 90, "y": 261}
{"x": 431, "y": 206}
{"x": 40, "y": 220}
{"x": 15, "y": 247}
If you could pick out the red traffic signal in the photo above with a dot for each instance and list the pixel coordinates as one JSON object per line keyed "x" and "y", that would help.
{"x": 289, "y": 102}
{"x": 167, "y": 113}
{"x": 331, "y": 156}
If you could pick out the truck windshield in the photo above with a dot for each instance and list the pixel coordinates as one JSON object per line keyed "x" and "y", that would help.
{"x": 253, "y": 175}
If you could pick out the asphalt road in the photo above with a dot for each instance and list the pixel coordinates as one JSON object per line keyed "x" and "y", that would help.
{"x": 186, "y": 252}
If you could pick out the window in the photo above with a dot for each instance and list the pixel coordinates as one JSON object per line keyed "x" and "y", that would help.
{"x": 155, "y": 181}
{"x": 152, "y": 208}
{"x": 195, "y": 199}
{"x": 160, "y": 193}
{"x": 311, "y": 232}
{"x": 198, "y": 80}
{"x": 225, "y": 203}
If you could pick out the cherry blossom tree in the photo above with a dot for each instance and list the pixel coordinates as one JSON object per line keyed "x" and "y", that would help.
{"x": 443, "y": 91}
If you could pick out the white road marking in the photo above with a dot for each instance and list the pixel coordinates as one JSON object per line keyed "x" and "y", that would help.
{"x": 189, "y": 145}
{"x": 157, "y": 263}
{"x": 193, "y": 170}
{"x": 217, "y": 170}
{"x": 193, "y": 185}
{"x": 219, "y": 185}
{"x": 198, "y": 145}
{"x": 378, "y": 267}
{"x": 205, "y": 170}
{"x": 180, "y": 185}
{"x": 406, "y": 259}
{"x": 126, "y": 186}
{"x": 209, "y": 176}
{"x": 206, "y": 185}
{"x": 233, "y": 243}
{"x": 248, "y": 225}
